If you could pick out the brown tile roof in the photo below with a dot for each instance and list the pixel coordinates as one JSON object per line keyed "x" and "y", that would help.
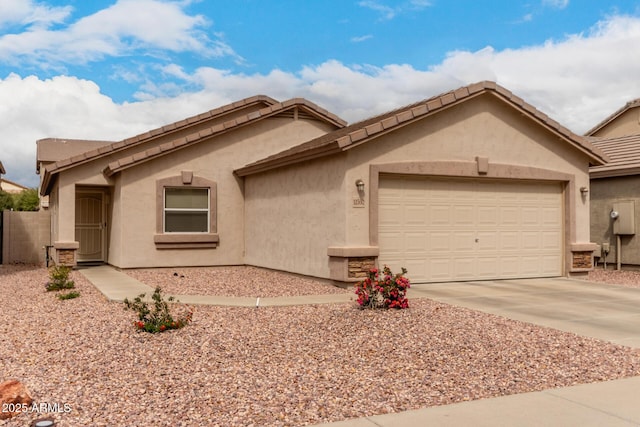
{"x": 271, "y": 108}
{"x": 301, "y": 105}
{"x": 628, "y": 106}
{"x": 364, "y": 131}
{"x": 161, "y": 131}
{"x": 624, "y": 155}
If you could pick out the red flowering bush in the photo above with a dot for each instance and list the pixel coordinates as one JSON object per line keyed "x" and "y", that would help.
{"x": 158, "y": 319}
{"x": 388, "y": 291}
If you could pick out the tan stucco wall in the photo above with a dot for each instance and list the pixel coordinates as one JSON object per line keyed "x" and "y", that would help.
{"x": 604, "y": 193}
{"x": 134, "y": 227}
{"x": 627, "y": 123}
{"x": 25, "y": 234}
{"x": 293, "y": 215}
{"x": 477, "y": 128}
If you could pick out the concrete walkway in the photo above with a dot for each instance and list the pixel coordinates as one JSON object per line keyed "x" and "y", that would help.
{"x": 609, "y": 313}
{"x": 117, "y": 286}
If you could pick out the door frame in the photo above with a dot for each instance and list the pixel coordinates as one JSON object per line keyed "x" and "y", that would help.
{"x": 104, "y": 225}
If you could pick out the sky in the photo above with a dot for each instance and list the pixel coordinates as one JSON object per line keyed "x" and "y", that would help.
{"x": 111, "y": 69}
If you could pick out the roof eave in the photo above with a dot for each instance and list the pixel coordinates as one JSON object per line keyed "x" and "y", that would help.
{"x": 307, "y": 155}
{"x": 619, "y": 171}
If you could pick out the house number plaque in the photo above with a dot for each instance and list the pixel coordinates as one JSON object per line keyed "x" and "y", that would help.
{"x": 358, "y": 202}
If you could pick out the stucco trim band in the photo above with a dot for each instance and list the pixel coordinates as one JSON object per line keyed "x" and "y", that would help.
{"x": 466, "y": 169}
{"x": 353, "y": 251}
{"x": 185, "y": 241}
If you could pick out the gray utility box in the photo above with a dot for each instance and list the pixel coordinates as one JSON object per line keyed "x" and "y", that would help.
{"x": 625, "y": 223}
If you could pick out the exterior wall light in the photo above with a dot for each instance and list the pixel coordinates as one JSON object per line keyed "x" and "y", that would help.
{"x": 584, "y": 191}
{"x": 360, "y": 185}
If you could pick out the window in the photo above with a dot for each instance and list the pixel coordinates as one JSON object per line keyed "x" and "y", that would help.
{"x": 186, "y": 210}
{"x": 186, "y": 215}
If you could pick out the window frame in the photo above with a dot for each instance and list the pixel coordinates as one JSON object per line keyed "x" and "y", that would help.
{"x": 166, "y": 210}
{"x": 186, "y": 240}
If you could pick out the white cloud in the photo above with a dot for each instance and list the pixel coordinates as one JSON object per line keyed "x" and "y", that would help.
{"x": 578, "y": 81}
{"x": 30, "y": 13}
{"x": 388, "y": 12}
{"x": 115, "y": 31}
{"x": 557, "y": 4}
{"x": 360, "y": 39}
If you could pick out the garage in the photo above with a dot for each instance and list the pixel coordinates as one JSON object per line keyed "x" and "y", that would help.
{"x": 444, "y": 229}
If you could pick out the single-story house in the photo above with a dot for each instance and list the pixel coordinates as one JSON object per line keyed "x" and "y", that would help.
{"x": 2, "y": 172}
{"x": 615, "y": 187}
{"x": 468, "y": 185}
{"x": 11, "y": 187}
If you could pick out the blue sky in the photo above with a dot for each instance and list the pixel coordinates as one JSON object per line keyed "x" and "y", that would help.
{"x": 108, "y": 69}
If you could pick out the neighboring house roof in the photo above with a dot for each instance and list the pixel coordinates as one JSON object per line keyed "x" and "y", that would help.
{"x": 295, "y": 107}
{"x": 11, "y": 187}
{"x": 2, "y": 171}
{"x": 51, "y": 150}
{"x": 367, "y": 130}
{"x": 628, "y": 106}
{"x": 624, "y": 155}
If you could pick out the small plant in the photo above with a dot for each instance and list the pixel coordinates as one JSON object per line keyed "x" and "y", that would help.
{"x": 158, "y": 318}
{"x": 68, "y": 295}
{"x": 388, "y": 291}
{"x": 59, "y": 278}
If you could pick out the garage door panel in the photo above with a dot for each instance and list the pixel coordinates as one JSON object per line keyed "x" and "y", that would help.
{"x": 550, "y": 215}
{"x": 443, "y": 230}
{"x": 531, "y": 240}
{"x": 440, "y": 241}
{"x": 440, "y": 215}
{"x": 439, "y": 269}
{"x": 463, "y": 241}
{"x": 488, "y": 266}
{"x": 550, "y": 264}
{"x": 416, "y": 241}
{"x": 509, "y": 216}
{"x": 488, "y": 216}
{"x": 550, "y": 239}
{"x": 509, "y": 240}
{"x": 415, "y": 215}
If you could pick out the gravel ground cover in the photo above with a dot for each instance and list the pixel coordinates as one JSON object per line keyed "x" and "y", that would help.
{"x": 630, "y": 279}
{"x": 240, "y": 281}
{"x": 274, "y": 366}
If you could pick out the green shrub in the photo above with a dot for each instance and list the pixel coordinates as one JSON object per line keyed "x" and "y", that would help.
{"x": 69, "y": 295}
{"x": 158, "y": 318}
{"x": 59, "y": 278}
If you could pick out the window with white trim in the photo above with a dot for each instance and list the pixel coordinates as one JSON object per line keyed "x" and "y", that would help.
{"x": 186, "y": 210}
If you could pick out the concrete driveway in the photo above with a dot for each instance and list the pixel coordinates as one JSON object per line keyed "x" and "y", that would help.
{"x": 606, "y": 312}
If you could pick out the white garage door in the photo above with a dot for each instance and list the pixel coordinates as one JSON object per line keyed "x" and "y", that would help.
{"x": 451, "y": 230}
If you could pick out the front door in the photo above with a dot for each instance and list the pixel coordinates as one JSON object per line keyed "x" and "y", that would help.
{"x": 90, "y": 225}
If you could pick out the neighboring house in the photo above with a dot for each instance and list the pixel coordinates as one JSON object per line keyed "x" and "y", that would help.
{"x": 11, "y": 187}
{"x": 2, "y": 172}
{"x": 615, "y": 186}
{"x": 472, "y": 184}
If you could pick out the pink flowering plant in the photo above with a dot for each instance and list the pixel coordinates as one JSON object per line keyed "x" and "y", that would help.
{"x": 384, "y": 290}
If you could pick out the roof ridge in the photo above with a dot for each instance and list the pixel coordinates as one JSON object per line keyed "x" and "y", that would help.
{"x": 374, "y": 126}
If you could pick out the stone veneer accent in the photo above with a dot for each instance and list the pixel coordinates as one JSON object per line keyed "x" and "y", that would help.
{"x": 582, "y": 260}
{"x": 65, "y": 253}
{"x": 66, "y": 257}
{"x": 359, "y": 267}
